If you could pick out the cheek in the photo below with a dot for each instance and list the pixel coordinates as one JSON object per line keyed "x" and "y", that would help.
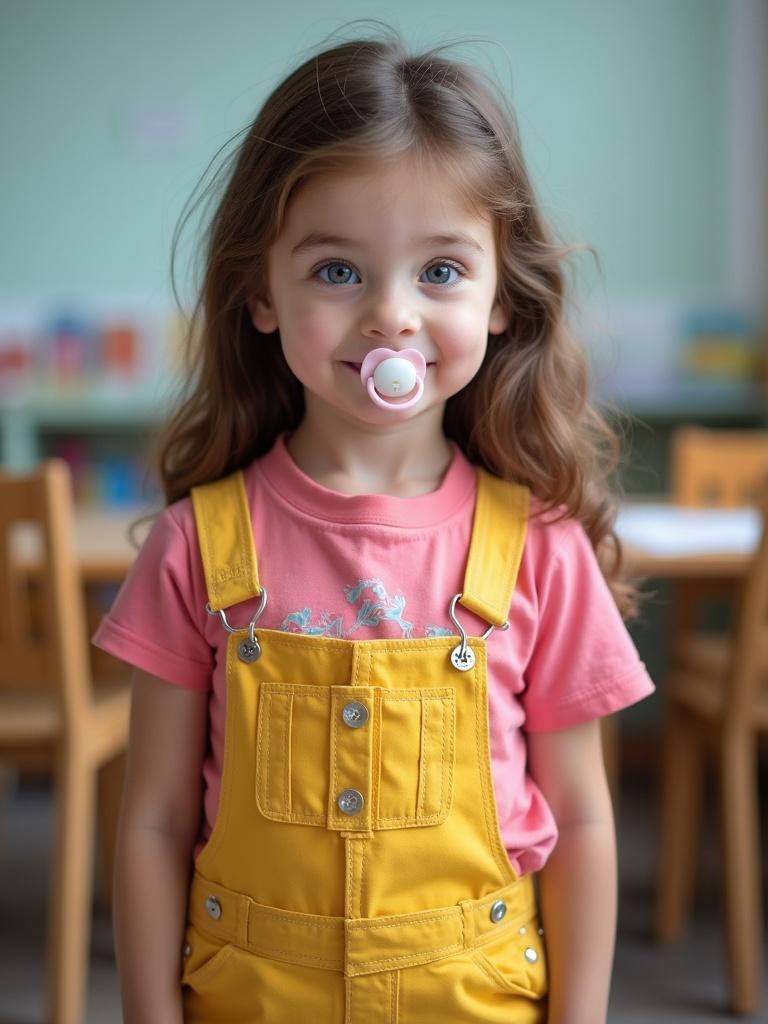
{"x": 315, "y": 328}
{"x": 309, "y": 336}
{"x": 464, "y": 331}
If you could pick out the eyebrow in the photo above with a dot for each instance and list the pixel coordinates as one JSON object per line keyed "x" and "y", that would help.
{"x": 318, "y": 238}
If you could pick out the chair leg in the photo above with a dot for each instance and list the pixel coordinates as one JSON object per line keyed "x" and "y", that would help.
{"x": 111, "y": 777}
{"x": 742, "y": 890}
{"x": 71, "y": 888}
{"x": 680, "y": 805}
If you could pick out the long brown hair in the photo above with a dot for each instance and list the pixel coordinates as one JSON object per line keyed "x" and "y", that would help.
{"x": 525, "y": 416}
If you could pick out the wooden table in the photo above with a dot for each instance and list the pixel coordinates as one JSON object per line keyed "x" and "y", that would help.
{"x": 102, "y": 541}
{"x": 729, "y": 565}
{"x": 102, "y": 545}
{"x": 106, "y": 553}
{"x": 667, "y": 541}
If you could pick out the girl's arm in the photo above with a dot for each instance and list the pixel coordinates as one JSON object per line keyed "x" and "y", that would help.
{"x": 159, "y": 822}
{"x": 578, "y": 882}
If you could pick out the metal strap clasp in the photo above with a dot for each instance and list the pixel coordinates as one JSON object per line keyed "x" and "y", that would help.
{"x": 462, "y": 656}
{"x": 249, "y": 649}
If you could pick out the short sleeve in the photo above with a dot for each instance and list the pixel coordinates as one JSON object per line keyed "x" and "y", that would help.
{"x": 583, "y": 664}
{"x": 158, "y": 618}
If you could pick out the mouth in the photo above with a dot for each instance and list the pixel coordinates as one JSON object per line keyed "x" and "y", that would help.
{"x": 358, "y": 366}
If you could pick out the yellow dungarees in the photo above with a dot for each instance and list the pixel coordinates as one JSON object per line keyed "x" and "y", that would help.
{"x": 356, "y": 872}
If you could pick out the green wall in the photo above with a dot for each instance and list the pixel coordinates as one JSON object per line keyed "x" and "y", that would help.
{"x": 621, "y": 106}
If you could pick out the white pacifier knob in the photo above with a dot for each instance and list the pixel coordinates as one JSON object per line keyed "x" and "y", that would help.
{"x": 387, "y": 374}
{"x": 394, "y": 377}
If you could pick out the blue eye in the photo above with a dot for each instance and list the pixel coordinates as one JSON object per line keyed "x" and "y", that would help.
{"x": 338, "y": 273}
{"x": 442, "y": 275}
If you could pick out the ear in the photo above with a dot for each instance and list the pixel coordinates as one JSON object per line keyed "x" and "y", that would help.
{"x": 499, "y": 319}
{"x": 263, "y": 315}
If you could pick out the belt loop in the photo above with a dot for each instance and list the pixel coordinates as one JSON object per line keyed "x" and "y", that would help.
{"x": 468, "y": 924}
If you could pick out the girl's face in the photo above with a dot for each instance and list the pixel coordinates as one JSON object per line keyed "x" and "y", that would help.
{"x": 389, "y": 257}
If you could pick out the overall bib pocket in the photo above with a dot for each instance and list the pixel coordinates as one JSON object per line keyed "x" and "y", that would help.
{"x": 399, "y": 752}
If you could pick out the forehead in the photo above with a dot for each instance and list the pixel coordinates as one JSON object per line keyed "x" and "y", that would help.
{"x": 402, "y": 194}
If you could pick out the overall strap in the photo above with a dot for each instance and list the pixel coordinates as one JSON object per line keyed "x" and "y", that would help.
{"x": 226, "y": 541}
{"x": 496, "y": 548}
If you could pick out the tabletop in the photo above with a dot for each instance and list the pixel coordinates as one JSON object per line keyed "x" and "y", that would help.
{"x": 661, "y": 539}
{"x": 658, "y": 540}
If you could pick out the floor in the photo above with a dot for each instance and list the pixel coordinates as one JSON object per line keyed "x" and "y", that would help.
{"x": 679, "y": 985}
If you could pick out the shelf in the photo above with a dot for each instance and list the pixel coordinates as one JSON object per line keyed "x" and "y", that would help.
{"x": 690, "y": 401}
{"x": 99, "y": 408}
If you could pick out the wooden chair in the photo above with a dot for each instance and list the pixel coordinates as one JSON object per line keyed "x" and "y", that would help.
{"x": 717, "y": 705}
{"x": 711, "y": 469}
{"x": 51, "y": 714}
{"x": 721, "y": 468}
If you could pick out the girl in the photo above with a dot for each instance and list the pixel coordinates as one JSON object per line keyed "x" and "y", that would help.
{"x": 372, "y": 638}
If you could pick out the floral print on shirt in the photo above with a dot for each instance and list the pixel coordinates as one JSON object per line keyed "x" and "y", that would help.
{"x": 372, "y": 605}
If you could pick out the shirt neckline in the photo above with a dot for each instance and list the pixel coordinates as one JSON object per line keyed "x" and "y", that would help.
{"x": 291, "y": 485}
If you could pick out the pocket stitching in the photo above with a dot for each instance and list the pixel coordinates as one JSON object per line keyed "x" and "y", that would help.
{"x": 447, "y": 698}
{"x": 509, "y": 983}
{"x": 210, "y": 968}
{"x": 268, "y": 691}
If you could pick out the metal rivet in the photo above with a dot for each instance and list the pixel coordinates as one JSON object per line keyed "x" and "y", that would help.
{"x": 187, "y": 949}
{"x": 530, "y": 955}
{"x": 248, "y": 650}
{"x": 498, "y": 910}
{"x": 213, "y": 907}
{"x": 541, "y": 931}
{"x": 350, "y": 801}
{"x": 521, "y": 931}
{"x": 355, "y": 714}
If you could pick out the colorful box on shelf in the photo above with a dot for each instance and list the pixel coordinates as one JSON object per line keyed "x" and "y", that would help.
{"x": 74, "y": 349}
{"x": 77, "y": 348}
{"x": 101, "y": 477}
{"x": 721, "y": 344}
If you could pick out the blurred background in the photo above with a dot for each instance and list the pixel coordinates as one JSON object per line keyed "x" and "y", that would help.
{"x": 645, "y": 126}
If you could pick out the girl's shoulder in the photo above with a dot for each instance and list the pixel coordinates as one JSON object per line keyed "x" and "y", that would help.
{"x": 167, "y": 529}
{"x": 176, "y": 521}
{"x": 552, "y": 526}
{"x": 558, "y": 547}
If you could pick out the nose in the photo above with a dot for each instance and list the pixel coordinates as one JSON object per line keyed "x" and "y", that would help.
{"x": 390, "y": 314}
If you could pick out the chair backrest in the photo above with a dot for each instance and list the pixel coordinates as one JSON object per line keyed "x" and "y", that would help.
{"x": 43, "y": 643}
{"x": 722, "y": 468}
{"x": 749, "y": 669}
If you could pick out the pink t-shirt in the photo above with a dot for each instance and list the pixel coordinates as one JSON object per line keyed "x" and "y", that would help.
{"x": 379, "y": 566}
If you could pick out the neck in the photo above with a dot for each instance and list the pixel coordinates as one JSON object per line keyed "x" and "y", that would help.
{"x": 403, "y": 460}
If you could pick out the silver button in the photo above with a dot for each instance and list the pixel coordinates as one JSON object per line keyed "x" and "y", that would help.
{"x": 355, "y": 714}
{"x": 463, "y": 660}
{"x": 350, "y": 801}
{"x": 498, "y": 910}
{"x": 187, "y": 951}
{"x": 213, "y": 907}
{"x": 530, "y": 955}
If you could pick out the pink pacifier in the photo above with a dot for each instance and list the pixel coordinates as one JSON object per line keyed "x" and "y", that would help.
{"x": 387, "y": 374}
